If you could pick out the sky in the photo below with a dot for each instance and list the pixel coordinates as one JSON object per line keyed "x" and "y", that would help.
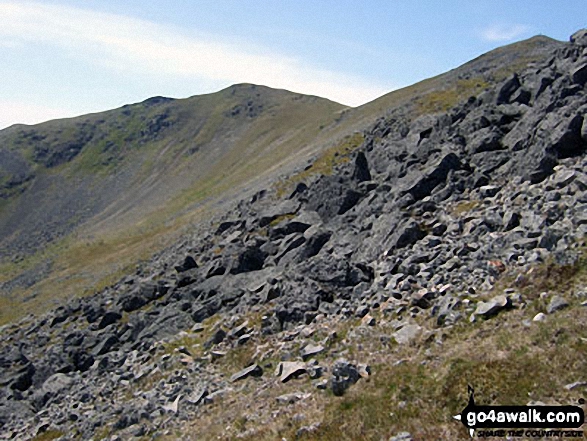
{"x": 67, "y": 58}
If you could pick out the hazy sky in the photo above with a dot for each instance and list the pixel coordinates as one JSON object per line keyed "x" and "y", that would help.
{"x": 66, "y": 58}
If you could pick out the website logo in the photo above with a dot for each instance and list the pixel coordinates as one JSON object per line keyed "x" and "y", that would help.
{"x": 518, "y": 418}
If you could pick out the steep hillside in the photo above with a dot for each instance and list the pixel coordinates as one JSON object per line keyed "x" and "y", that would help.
{"x": 357, "y": 297}
{"x": 82, "y": 198}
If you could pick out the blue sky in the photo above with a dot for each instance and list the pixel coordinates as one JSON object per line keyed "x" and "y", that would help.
{"x": 66, "y": 58}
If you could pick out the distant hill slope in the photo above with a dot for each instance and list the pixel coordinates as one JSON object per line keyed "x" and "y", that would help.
{"x": 127, "y": 172}
{"x": 82, "y": 200}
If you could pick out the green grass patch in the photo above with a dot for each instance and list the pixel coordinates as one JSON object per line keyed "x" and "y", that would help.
{"x": 324, "y": 164}
{"x": 463, "y": 207}
{"x": 48, "y": 435}
{"x": 444, "y": 99}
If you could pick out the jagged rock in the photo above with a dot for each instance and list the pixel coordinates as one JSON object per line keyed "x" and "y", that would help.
{"x": 315, "y": 372}
{"x": 188, "y": 264}
{"x": 105, "y": 345}
{"x": 298, "y": 224}
{"x": 173, "y": 406}
{"x": 565, "y": 136}
{"x": 349, "y": 200}
{"x": 507, "y": 90}
{"x": 225, "y": 226}
{"x": 23, "y": 378}
{"x": 238, "y": 331}
{"x": 361, "y": 172}
{"x": 244, "y": 338}
{"x": 485, "y": 140}
{"x": 252, "y": 259}
{"x": 563, "y": 178}
{"x": 408, "y": 234}
{"x": 216, "y": 339}
{"x": 198, "y": 396}
{"x": 251, "y": 371}
{"x": 290, "y": 243}
{"x": 109, "y": 318}
{"x": 131, "y": 303}
{"x": 286, "y": 207}
{"x": 215, "y": 268}
{"x": 56, "y": 383}
{"x": 364, "y": 370}
{"x": 540, "y": 317}
{"x": 368, "y": 320}
{"x": 433, "y": 176}
{"x": 556, "y": 304}
{"x": 579, "y": 74}
{"x": 307, "y": 430}
{"x": 511, "y": 220}
{"x": 488, "y": 191}
{"x": 575, "y": 385}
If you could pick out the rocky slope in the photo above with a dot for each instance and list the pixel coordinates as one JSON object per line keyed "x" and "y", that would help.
{"x": 411, "y": 233}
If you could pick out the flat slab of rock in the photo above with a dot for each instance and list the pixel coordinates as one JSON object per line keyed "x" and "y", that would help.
{"x": 286, "y": 370}
{"x": 251, "y": 371}
{"x": 311, "y": 350}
